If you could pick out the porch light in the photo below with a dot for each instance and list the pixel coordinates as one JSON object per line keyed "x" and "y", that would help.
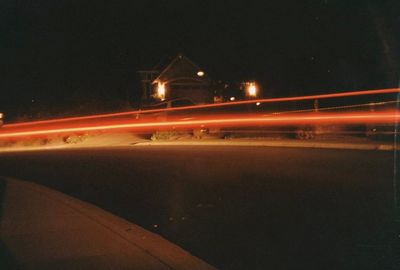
{"x": 251, "y": 89}
{"x": 161, "y": 90}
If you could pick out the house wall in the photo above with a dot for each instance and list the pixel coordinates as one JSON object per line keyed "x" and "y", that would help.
{"x": 198, "y": 94}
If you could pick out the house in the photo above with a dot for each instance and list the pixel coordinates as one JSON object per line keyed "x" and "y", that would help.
{"x": 181, "y": 78}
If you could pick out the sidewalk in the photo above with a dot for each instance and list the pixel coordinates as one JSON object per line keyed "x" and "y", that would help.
{"x": 44, "y": 229}
{"x": 127, "y": 140}
{"x": 328, "y": 144}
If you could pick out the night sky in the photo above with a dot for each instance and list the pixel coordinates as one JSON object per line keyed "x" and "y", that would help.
{"x": 59, "y": 56}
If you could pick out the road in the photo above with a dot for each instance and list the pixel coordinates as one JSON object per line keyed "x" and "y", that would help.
{"x": 237, "y": 207}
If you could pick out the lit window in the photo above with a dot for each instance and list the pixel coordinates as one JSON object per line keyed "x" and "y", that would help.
{"x": 251, "y": 90}
{"x": 161, "y": 90}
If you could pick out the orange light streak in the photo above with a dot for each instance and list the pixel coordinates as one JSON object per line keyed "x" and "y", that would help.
{"x": 255, "y": 101}
{"x": 225, "y": 121}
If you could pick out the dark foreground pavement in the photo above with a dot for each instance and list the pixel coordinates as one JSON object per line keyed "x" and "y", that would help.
{"x": 238, "y": 207}
{"x": 44, "y": 229}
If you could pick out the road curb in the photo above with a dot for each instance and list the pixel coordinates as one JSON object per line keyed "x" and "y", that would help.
{"x": 152, "y": 244}
{"x": 255, "y": 143}
{"x": 323, "y": 145}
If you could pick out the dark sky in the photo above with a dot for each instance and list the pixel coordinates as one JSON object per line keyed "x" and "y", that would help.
{"x": 61, "y": 54}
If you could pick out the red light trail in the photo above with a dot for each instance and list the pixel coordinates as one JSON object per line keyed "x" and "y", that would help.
{"x": 298, "y": 98}
{"x": 388, "y": 117}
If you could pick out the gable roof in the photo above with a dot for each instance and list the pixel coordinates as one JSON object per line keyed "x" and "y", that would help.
{"x": 181, "y": 68}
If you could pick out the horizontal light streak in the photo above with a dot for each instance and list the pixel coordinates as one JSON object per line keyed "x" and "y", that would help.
{"x": 214, "y": 105}
{"x": 225, "y": 121}
{"x": 364, "y": 105}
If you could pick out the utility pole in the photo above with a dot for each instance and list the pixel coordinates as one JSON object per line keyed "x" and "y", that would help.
{"x": 396, "y": 167}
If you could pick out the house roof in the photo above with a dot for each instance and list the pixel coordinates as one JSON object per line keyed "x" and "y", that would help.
{"x": 181, "y": 69}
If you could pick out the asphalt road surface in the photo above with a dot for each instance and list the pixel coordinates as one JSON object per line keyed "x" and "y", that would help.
{"x": 238, "y": 207}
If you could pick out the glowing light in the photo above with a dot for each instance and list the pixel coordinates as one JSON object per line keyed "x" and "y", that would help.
{"x": 258, "y": 103}
{"x": 251, "y": 89}
{"x": 389, "y": 117}
{"x": 270, "y": 100}
{"x": 232, "y": 98}
{"x": 161, "y": 90}
{"x": 200, "y": 73}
